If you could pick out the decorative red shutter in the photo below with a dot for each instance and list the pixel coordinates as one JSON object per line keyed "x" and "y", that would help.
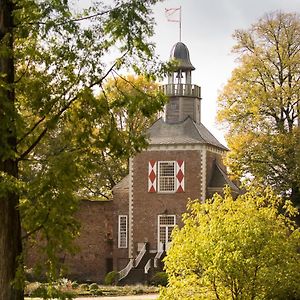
{"x": 180, "y": 176}
{"x": 152, "y": 176}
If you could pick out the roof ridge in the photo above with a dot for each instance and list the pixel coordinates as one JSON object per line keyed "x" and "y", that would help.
{"x": 213, "y": 140}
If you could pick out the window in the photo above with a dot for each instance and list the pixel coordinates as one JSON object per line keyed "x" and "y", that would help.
{"x": 122, "y": 232}
{"x": 166, "y": 176}
{"x": 166, "y": 224}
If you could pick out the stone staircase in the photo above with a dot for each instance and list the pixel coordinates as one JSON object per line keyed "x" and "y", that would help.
{"x": 142, "y": 268}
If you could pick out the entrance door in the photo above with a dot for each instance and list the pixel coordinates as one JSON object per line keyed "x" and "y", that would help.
{"x": 166, "y": 224}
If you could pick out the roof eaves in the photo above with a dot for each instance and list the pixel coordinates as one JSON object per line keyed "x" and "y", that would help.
{"x": 208, "y": 137}
{"x": 226, "y": 178}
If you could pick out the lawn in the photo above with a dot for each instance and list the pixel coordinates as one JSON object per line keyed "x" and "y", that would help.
{"x": 74, "y": 289}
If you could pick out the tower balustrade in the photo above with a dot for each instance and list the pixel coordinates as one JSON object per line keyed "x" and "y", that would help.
{"x": 180, "y": 89}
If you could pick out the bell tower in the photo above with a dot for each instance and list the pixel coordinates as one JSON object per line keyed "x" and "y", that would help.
{"x": 184, "y": 97}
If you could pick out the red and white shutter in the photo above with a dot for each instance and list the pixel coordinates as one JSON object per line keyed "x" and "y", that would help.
{"x": 180, "y": 176}
{"x": 152, "y": 176}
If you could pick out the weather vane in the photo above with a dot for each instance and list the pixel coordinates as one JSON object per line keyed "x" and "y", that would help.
{"x": 174, "y": 15}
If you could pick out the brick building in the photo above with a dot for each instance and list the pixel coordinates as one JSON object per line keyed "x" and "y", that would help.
{"x": 131, "y": 232}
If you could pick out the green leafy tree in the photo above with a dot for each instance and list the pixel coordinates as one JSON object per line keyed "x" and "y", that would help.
{"x": 132, "y": 104}
{"x": 260, "y": 104}
{"x": 235, "y": 249}
{"x": 51, "y": 61}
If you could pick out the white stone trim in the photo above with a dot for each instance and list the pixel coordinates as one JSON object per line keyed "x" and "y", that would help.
{"x": 215, "y": 150}
{"x": 175, "y": 147}
{"x": 203, "y": 175}
{"x": 130, "y": 210}
{"x": 180, "y": 147}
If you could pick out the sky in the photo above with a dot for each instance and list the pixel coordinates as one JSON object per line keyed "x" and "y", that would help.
{"x": 207, "y": 28}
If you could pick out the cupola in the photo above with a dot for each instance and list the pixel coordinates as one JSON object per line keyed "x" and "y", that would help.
{"x": 184, "y": 97}
{"x": 183, "y": 70}
{"x": 180, "y": 53}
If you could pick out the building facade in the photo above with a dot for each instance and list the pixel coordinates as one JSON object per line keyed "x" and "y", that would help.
{"x": 132, "y": 232}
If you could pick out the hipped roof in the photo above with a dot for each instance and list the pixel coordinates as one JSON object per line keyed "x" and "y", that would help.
{"x": 185, "y": 132}
{"x": 220, "y": 179}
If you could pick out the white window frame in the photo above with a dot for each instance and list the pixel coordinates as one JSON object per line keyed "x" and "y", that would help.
{"x": 122, "y": 239}
{"x": 159, "y": 176}
{"x": 168, "y": 227}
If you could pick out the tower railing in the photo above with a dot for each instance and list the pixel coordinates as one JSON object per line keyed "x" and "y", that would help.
{"x": 180, "y": 89}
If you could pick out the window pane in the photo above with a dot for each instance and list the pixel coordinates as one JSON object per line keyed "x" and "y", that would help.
{"x": 166, "y": 224}
{"x": 167, "y": 169}
{"x": 166, "y": 220}
{"x": 166, "y": 176}
{"x": 162, "y": 234}
{"x": 169, "y": 233}
{"x": 166, "y": 183}
{"x": 122, "y": 242}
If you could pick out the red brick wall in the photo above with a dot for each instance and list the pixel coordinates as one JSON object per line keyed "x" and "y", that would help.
{"x": 94, "y": 242}
{"x": 120, "y": 207}
{"x": 147, "y": 206}
{"x": 98, "y": 241}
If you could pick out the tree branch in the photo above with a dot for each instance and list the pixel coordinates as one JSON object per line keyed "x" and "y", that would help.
{"x": 33, "y": 145}
{"x": 31, "y": 130}
{"x": 60, "y": 112}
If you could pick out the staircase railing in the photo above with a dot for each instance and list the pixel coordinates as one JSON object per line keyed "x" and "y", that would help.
{"x": 140, "y": 255}
{"x": 147, "y": 266}
{"x": 157, "y": 258}
{"x": 133, "y": 263}
{"x": 124, "y": 272}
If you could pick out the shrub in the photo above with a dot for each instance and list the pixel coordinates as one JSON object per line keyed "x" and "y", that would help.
{"x": 84, "y": 286}
{"x": 93, "y": 286}
{"x": 159, "y": 279}
{"x": 138, "y": 291}
{"x": 111, "y": 278}
{"x": 96, "y": 292}
{"x": 49, "y": 292}
{"x": 75, "y": 285}
{"x": 235, "y": 248}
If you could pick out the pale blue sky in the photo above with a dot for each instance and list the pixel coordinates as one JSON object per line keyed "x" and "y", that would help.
{"x": 207, "y": 28}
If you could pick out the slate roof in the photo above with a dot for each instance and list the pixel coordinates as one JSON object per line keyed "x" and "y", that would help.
{"x": 219, "y": 179}
{"x": 185, "y": 132}
{"x": 123, "y": 185}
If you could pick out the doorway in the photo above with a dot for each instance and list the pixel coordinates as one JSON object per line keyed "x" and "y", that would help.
{"x": 166, "y": 224}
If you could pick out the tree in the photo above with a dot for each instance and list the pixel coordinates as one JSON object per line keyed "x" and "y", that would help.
{"x": 133, "y": 103}
{"x": 10, "y": 230}
{"x": 261, "y": 102}
{"x": 50, "y": 63}
{"x": 235, "y": 249}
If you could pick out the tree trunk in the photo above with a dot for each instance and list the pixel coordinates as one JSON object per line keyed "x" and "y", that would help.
{"x": 10, "y": 228}
{"x": 295, "y": 197}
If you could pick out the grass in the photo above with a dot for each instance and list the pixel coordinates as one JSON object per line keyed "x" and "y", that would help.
{"x": 73, "y": 289}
